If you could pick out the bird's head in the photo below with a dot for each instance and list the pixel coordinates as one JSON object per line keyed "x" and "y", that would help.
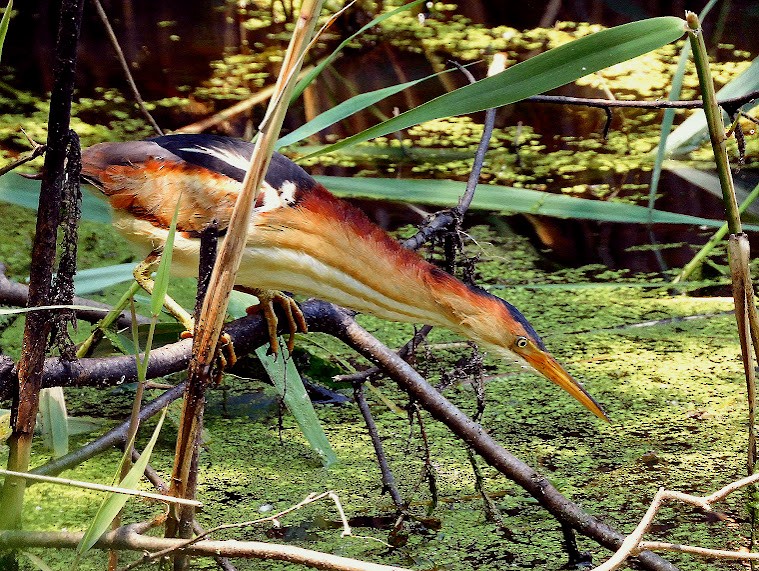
{"x": 500, "y": 328}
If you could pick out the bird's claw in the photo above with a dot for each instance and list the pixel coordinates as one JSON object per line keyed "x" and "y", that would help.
{"x": 295, "y": 318}
{"x": 225, "y": 351}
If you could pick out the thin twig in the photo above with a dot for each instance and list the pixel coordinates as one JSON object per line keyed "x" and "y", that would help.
{"x": 36, "y": 151}
{"x": 636, "y": 104}
{"x": 125, "y": 66}
{"x": 374, "y": 373}
{"x": 111, "y": 438}
{"x": 445, "y": 218}
{"x": 99, "y": 487}
{"x": 388, "y": 480}
{"x": 634, "y": 543}
{"x": 272, "y": 518}
{"x": 154, "y": 478}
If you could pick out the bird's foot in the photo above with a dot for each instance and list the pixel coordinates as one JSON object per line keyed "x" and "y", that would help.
{"x": 295, "y": 318}
{"x": 225, "y": 352}
{"x": 226, "y": 355}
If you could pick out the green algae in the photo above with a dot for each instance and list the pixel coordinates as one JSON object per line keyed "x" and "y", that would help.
{"x": 674, "y": 392}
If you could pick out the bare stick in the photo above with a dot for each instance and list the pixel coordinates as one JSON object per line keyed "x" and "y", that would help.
{"x": 125, "y": 66}
{"x": 388, "y": 480}
{"x": 634, "y": 104}
{"x": 272, "y": 518}
{"x": 633, "y": 544}
{"x": 444, "y": 219}
{"x": 127, "y": 538}
{"x": 36, "y": 151}
{"x": 340, "y": 324}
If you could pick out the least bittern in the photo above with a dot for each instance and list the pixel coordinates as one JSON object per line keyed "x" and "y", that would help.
{"x": 301, "y": 239}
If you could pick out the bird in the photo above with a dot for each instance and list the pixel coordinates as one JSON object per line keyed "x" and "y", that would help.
{"x": 301, "y": 239}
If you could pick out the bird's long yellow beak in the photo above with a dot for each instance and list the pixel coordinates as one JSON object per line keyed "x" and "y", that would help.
{"x": 550, "y": 368}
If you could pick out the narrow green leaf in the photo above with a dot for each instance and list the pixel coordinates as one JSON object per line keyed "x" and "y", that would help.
{"x": 15, "y": 189}
{"x": 310, "y": 76}
{"x": 97, "y": 279}
{"x": 161, "y": 286}
{"x": 544, "y": 72}
{"x": 84, "y": 424}
{"x": 112, "y": 505}
{"x": 666, "y": 123}
{"x": 289, "y": 385}
{"x": 54, "y": 421}
{"x": 507, "y": 199}
{"x": 4, "y": 24}
{"x": 39, "y": 563}
{"x": 709, "y": 181}
{"x": 239, "y": 302}
{"x": 346, "y": 109}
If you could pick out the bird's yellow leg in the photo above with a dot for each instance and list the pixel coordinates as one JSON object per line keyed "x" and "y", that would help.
{"x": 142, "y": 275}
{"x": 295, "y": 319}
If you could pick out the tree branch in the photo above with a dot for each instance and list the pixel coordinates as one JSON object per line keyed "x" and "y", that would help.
{"x": 341, "y": 325}
{"x": 730, "y": 102}
{"x": 127, "y": 538}
{"x": 17, "y": 294}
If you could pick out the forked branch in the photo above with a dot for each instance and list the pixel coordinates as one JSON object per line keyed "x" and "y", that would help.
{"x": 634, "y": 543}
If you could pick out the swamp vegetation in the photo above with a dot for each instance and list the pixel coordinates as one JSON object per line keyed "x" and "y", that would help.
{"x": 665, "y": 363}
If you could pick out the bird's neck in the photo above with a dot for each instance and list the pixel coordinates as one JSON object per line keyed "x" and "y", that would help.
{"x": 327, "y": 248}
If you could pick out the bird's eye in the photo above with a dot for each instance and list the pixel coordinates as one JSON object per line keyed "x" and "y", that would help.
{"x": 521, "y": 342}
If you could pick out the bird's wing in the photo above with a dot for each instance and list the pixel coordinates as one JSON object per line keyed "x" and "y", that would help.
{"x": 202, "y": 172}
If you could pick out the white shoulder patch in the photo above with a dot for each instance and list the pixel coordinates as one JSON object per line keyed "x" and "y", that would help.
{"x": 229, "y": 156}
{"x": 273, "y": 198}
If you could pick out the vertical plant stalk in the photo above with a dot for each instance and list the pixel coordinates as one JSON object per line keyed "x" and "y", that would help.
{"x": 714, "y": 122}
{"x": 716, "y": 238}
{"x": 738, "y": 252}
{"x": 211, "y": 319}
{"x": 37, "y": 330}
{"x": 743, "y": 290}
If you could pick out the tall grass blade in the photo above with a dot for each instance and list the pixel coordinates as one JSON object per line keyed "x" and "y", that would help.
{"x": 97, "y": 279}
{"x": 112, "y": 505}
{"x": 289, "y": 385}
{"x": 346, "y": 109}
{"x": 692, "y": 132}
{"x": 311, "y": 75}
{"x": 544, "y": 72}
{"x": 15, "y": 189}
{"x": 4, "y": 25}
{"x": 507, "y": 199}
{"x": 161, "y": 287}
{"x": 54, "y": 424}
{"x": 36, "y": 561}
